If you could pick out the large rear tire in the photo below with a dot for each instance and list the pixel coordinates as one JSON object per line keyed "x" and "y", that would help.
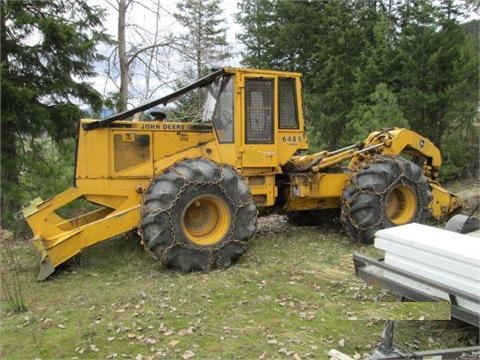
{"x": 385, "y": 192}
{"x": 198, "y": 215}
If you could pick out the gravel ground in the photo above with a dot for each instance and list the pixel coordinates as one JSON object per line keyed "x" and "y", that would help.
{"x": 271, "y": 224}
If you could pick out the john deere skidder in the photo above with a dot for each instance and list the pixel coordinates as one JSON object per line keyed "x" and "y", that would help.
{"x": 192, "y": 189}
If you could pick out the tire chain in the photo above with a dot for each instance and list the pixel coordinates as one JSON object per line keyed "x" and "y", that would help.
{"x": 175, "y": 241}
{"x": 353, "y": 181}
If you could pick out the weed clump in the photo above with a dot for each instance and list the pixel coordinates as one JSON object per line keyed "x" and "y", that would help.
{"x": 9, "y": 274}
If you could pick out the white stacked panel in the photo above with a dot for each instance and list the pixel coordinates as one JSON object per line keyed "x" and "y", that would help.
{"x": 446, "y": 257}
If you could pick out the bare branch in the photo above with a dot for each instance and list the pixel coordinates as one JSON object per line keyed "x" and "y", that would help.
{"x": 138, "y": 29}
{"x": 135, "y": 55}
{"x": 150, "y": 10}
{"x": 112, "y": 5}
{"x": 114, "y": 81}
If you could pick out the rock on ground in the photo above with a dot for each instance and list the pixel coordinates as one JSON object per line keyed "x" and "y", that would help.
{"x": 471, "y": 199}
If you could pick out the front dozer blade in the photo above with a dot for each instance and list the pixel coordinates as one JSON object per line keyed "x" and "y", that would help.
{"x": 57, "y": 239}
{"x": 46, "y": 269}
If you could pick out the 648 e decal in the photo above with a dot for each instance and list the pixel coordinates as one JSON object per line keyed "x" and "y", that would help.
{"x": 292, "y": 139}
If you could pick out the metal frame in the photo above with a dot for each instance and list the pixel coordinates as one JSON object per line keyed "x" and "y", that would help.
{"x": 363, "y": 266}
{"x": 386, "y": 350}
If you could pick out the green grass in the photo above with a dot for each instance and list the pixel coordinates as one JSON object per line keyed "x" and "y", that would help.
{"x": 292, "y": 293}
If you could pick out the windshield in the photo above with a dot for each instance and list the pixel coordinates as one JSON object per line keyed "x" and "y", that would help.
{"x": 219, "y": 108}
{"x": 213, "y": 91}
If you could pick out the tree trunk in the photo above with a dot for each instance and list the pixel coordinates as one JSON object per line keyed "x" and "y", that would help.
{"x": 122, "y": 56}
{"x": 9, "y": 161}
{"x": 199, "y": 58}
{"x": 152, "y": 56}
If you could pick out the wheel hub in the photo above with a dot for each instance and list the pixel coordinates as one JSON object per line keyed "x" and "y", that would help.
{"x": 401, "y": 205}
{"x": 206, "y": 220}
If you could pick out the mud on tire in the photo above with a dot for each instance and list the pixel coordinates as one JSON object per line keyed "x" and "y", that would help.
{"x": 197, "y": 215}
{"x": 384, "y": 192}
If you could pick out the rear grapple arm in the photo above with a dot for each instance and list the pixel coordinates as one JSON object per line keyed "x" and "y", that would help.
{"x": 392, "y": 142}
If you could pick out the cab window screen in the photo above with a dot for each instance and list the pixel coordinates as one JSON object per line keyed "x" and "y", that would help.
{"x": 287, "y": 105}
{"x": 259, "y": 110}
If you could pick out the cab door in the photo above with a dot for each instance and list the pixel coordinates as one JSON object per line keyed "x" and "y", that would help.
{"x": 259, "y": 122}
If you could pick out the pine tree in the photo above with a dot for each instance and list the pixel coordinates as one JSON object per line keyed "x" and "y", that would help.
{"x": 256, "y": 18}
{"x": 203, "y": 45}
{"x": 375, "y": 105}
{"x": 438, "y": 73}
{"x": 380, "y": 112}
{"x": 337, "y": 55}
{"x": 48, "y": 48}
{"x": 203, "y": 42}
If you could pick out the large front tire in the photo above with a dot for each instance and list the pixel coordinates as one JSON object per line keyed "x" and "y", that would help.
{"x": 198, "y": 215}
{"x": 386, "y": 192}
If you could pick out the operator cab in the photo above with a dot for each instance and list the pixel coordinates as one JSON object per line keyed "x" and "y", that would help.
{"x": 251, "y": 119}
{"x": 260, "y": 113}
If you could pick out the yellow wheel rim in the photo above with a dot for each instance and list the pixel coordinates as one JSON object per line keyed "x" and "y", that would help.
{"x": 401, "y": 205}
{"x": 206, "y": 220}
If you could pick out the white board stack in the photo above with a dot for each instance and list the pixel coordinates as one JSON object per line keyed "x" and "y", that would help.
{"x": 448, "y": 258}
